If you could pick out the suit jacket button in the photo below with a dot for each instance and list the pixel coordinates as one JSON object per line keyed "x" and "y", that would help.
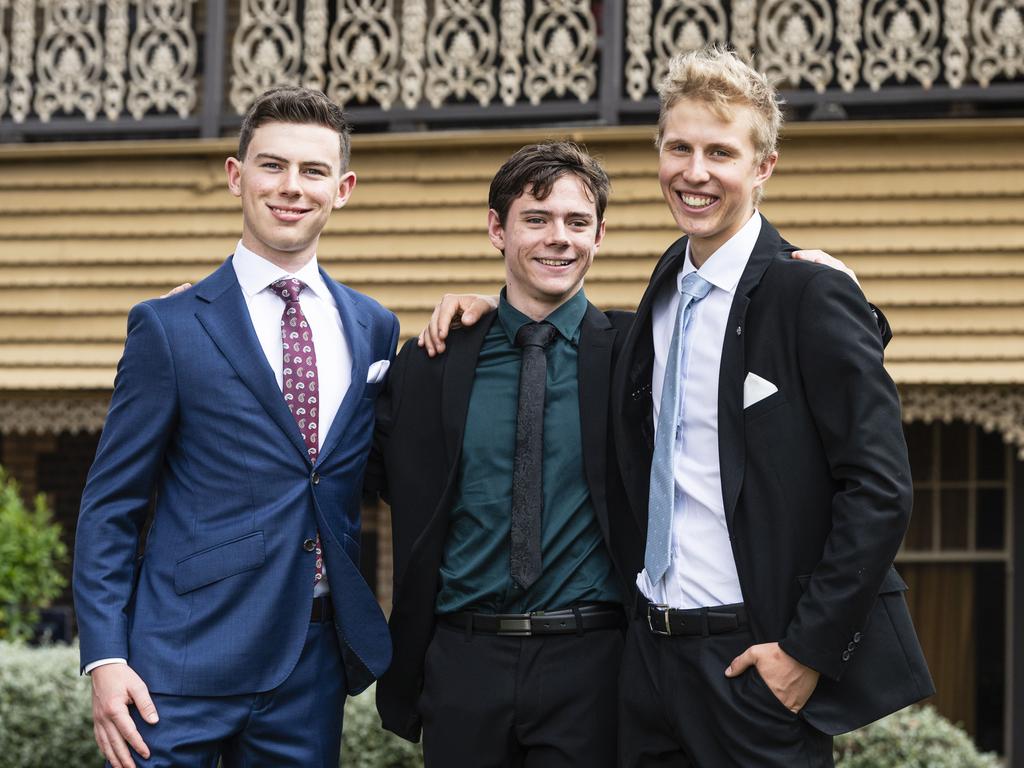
{"x": 846, "y": 655}
{"x": 856, "y": 637}
{"x": 851, "y": 647}
{"x": 309, "y": 545}
{"x": 315, "y": 478}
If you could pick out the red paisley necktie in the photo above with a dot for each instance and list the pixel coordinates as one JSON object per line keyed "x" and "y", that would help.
{"x": 299, "y": 381}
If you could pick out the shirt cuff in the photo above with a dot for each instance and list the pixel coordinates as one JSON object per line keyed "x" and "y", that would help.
{"x": 102, "y": 662}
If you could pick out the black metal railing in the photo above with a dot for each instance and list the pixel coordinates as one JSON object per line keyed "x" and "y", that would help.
{"x": 76, "y": 69}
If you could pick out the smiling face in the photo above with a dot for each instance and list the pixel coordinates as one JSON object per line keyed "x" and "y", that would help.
{"x": 289, "y": 181}
{"x": 709, "y": 171}
{"x": 548, "y": 244}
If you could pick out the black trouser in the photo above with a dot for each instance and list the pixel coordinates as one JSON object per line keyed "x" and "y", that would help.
{"x": 493, "y": 701}
{"x": 677, "y": 708}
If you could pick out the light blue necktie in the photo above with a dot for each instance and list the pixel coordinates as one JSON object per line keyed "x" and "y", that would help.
{"x": 663, "y": 482}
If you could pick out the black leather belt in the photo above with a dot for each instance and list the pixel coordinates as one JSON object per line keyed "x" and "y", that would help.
{"x": 672, "y": 622}
{"x": 323, "y": 610}
{"x": 563, "y": 622}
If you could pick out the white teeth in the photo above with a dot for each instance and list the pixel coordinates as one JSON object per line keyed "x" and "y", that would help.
{"x": 554, "y": 262}
{"x": 697, "y": 201}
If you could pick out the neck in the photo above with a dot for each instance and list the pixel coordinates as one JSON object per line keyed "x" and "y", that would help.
{"x": 702, "y": 249}
{"x": 289, "y": 262}
{"x": 536, "y": 308}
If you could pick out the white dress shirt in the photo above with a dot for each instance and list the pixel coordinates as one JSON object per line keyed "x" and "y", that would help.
{"x": 701, "y": 570}
{"x": 333, "y": 357}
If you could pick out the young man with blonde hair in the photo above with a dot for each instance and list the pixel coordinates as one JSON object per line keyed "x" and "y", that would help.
{"x": 760, "y": 442}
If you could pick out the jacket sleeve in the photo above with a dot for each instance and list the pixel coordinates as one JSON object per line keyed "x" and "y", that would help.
{"x": 120, "y": 485}
{"x": 856, "y": 411}
{"x": 376, "y": 478}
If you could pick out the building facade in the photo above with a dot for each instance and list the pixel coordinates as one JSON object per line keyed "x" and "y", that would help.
{"x": 904, "y": 156}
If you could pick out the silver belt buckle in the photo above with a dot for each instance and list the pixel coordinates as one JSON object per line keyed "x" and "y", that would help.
{"x": 516, "y": 626}
{"x": 663, "y": 609}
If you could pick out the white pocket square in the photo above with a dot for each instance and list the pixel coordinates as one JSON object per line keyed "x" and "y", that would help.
{"x": 375, "y": 373}
{"x": 756, "y": 389}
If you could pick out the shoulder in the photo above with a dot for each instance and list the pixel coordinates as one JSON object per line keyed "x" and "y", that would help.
{"x": 364, "y": 303}
{"x": 620, "y": 319}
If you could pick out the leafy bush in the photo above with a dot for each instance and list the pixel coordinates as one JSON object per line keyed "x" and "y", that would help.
{"x": 46, "y": 716}
{"x": 46, "y": 720}
{"x": 366, "y": 745}
{"x": 45, "y": 709}
{"x": 31, "y": 556}
{"x": 917, "y": 737}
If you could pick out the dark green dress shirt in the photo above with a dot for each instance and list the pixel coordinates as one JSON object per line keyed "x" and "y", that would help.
{"x": 475, "y": 573}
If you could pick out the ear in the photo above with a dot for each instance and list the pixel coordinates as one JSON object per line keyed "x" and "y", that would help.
{"x": 600, "y": 235}
{"x": 765, "y": 168}
{"x": 233, "y": 168}
{"x": 346, "y": 184}
{"x": 495, "y": 230}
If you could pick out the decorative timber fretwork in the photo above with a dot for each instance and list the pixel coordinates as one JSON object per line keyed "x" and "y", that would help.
{"x": 33, "y": 415}
{"x": 993, "y": 408}
{"x": 133, "y": 66}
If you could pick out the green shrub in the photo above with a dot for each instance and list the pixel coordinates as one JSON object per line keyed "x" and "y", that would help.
{"x": 366, "y": 745}
{"x": 46, "y": 720}
{"x": 46, "y": 716}
{"x": 45, "y": 709}
{"x": 917, "y": 737}
{"x": 31, "y": 557}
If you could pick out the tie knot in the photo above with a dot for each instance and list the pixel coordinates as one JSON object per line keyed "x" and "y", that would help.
{"x": 288, "y": 288}
{"x": 535, "y": 335}
{"x": 695, "y": 285}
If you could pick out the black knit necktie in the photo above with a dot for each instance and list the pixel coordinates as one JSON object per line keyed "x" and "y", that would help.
{"x": 527, "y": 468}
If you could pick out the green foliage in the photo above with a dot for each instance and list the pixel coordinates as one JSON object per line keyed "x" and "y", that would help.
{"x": 31, "y": 557}
{"x": 46, "y": 720}
{"x": 917, "y": 737}
{"x": 366, "y": 745}
{"x": 45, "y": 709}
{"x": 46, "y": 716}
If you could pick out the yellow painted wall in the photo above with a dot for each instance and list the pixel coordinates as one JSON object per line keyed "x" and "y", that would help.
{"x": 930, "y": 214}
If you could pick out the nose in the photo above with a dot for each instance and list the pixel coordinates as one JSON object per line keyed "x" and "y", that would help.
{"x": 558, "y": 234}
{"x": 288, "y": 183}
{"x": 696, "y": 171}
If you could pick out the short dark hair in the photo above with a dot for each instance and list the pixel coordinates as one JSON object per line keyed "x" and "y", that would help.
{"x": 536, "y": 167}
{"x": 292, "y": 104}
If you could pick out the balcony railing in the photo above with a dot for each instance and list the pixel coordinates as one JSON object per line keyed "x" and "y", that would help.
{"x": 75, "y": 68}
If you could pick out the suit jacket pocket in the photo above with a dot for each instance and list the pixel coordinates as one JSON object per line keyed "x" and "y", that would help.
{"x": 892, "y": 582}
{"x": 218, "y": 562}
{"x": 762, "y": 407}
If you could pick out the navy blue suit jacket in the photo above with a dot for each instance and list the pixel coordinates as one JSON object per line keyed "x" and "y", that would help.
{"x": 219, "y": 602}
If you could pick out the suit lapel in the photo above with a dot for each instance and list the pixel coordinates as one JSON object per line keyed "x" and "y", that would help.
{"x": 356, "y": 328}
{"x": 226, "y": 319}
{"x": 457, "y": 382}
{"x": 731, "y": 432}
{"x": 594, "y": 365}
{"x": 635, "y": 430}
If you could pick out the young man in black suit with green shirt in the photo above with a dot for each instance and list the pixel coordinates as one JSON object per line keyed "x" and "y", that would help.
{"x": 760, "y": 446}
{"x": 507, "y": 621}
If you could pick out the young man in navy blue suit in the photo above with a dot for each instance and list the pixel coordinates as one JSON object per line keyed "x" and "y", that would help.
{"x": 245, "y": 406}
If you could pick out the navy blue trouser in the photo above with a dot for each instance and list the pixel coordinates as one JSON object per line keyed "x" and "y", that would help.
{"x": 296, "y": 724}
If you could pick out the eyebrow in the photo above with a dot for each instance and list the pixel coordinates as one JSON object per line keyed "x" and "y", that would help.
{"x": 286, "y": 161}
{"x": 717, "y": 144}
{"x": 547, "y": 212}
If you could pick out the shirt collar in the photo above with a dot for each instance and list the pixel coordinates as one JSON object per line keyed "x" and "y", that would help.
{"x": 567, "y": 318}
{"x": 255, "y": 273}
{"x": 725, "y": 266}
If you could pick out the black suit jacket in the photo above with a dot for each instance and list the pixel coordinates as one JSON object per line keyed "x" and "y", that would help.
{"x": 815, "y": 477}
{"x": 421, "y": 418}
